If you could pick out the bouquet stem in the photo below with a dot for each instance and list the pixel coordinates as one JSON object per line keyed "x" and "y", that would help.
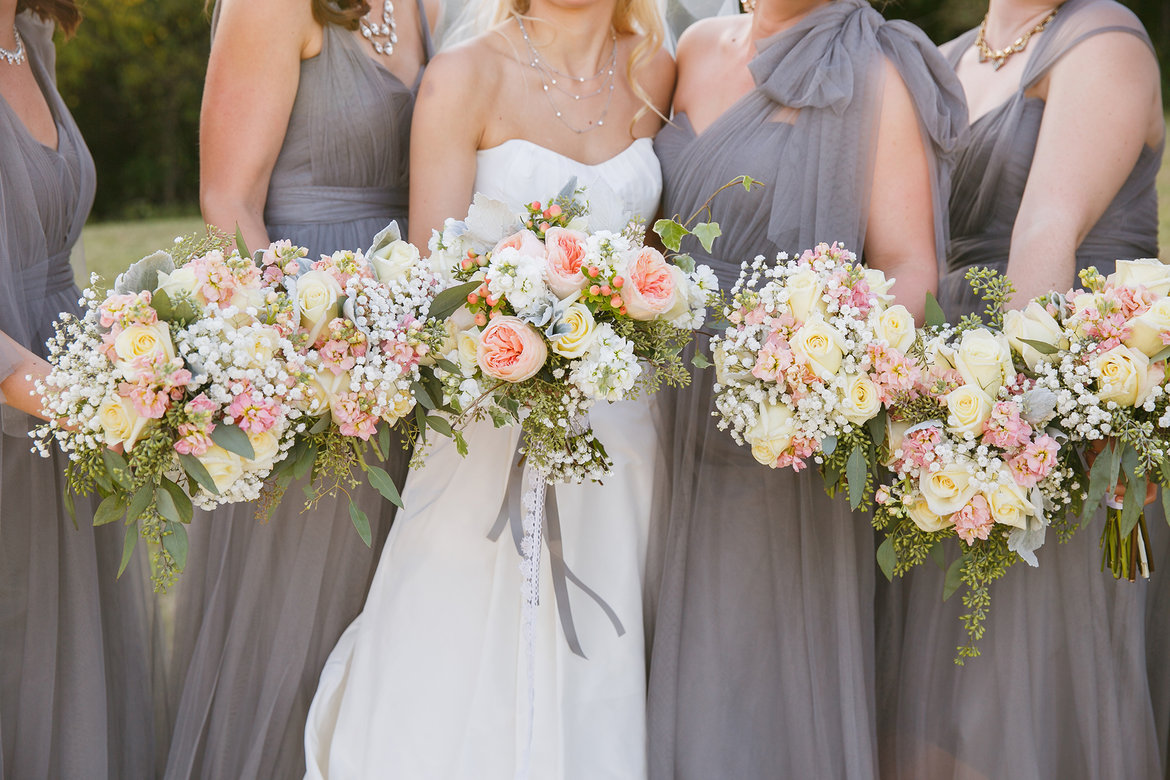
{"x": 1126, "y": 557}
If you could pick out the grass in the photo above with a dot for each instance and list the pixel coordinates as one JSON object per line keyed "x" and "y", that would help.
{"x": 1164, "y": 204}
{"x": 112, "y": 246}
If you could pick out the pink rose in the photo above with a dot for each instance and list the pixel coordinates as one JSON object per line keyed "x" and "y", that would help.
{"x": 510, "y": 349}
{"x": 649, "y": 289}
{"x": 525, "y": 242}
{"x": 566, "y": 251}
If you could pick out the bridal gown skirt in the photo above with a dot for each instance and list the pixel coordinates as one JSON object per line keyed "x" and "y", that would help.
{"x": 431, "y": 680}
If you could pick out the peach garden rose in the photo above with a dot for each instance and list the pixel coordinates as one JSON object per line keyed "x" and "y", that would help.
{"x": 511, "y": 349}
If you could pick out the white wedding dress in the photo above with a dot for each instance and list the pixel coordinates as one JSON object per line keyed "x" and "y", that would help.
{"x": 431, "y": 681}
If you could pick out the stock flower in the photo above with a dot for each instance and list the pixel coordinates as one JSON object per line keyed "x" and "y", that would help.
{"x": 973, "y": 521}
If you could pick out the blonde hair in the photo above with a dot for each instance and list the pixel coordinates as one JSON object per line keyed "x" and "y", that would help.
{"x": 630, "y": 17}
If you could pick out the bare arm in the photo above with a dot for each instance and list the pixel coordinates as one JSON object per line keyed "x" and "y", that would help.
{"x": 252, "y": 79}
{"x": 900, "y": 238}
{"x": 1101, "y": 100}
{"x": 19, "y": 387}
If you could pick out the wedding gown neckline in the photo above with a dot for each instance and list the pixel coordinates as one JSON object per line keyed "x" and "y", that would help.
{"x": 608, "y": 161}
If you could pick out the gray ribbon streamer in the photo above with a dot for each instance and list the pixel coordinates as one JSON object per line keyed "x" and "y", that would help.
{"x": 512, "y": 516}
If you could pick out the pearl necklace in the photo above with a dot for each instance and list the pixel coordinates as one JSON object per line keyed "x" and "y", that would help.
{"x": 999, "y": 56}
{"x": 14, "y": 57}
{"x": 549, "y": 74}
{"x": 387, "y": 30}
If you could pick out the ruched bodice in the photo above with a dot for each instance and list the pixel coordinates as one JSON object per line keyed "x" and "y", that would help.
{"x": 992, "y": 168}
{"x": 343, "y": 171}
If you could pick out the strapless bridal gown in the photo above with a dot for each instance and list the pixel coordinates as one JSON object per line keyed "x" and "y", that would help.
{"x": 431, "y": 680}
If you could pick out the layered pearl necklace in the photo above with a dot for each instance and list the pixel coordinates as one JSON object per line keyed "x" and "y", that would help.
{"x": 553, "y": 79}
{"x": 381, "y": 36}
{"x": 15, "y": 57}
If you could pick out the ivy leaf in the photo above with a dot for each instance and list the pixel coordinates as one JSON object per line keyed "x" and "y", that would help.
{"x": 232, "y": 439}
{"x": 109, "y": 510}
{"x": 954, "y": 578}
{"x": 707, "y": 232}
{"x": 1044, "y": 348}
{"x": 241, "y": 244}
{"x": 671, "y": 233}
{"x": 361, "y": 523}
{"x": 700, "y": 361}
{"x": 448, "y": 301}
{"x": 855, "y": 472}
{"x": 685, "y": 262}
{"x": 935, "y": 318}
{"x": 197, "y": 472}
{"x": 887, "y": 559}
{"x": 749, "y": 182}
{"x": 175, "y": 542}
{"x": 128, "y": 545}
{"x": 384, "y": 484}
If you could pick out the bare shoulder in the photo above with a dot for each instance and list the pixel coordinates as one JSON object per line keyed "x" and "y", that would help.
{"x": 467, "y": 75}
{"x": 276, "y": 18}
{"x": 434, "y": 10}
{"x": 657, "y": 77}
{"x": 704, "y": 39}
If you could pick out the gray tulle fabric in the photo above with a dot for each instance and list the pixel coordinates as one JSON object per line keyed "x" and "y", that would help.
{"x": 1061, "y": 689}
{"x": 762, "y": 662}
{"x": 262, "y": 604}
{"x": 74, "y": 673}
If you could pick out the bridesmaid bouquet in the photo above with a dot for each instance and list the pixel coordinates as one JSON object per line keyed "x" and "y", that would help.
{"x": 545, "y": 318}
{"x": 1100, "y": 353}
{"x": 813, "y": 353}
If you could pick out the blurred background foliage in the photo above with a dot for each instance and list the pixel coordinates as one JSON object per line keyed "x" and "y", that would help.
{"x": 133, "y": 77}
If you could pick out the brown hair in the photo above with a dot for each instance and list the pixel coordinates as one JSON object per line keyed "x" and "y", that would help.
{"x": 63, "y": 13}
{"x": 344, "y": 13}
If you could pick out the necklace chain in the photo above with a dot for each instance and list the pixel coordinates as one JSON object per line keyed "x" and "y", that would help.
{"x": 998, "y": 57}
{"x": 549, "y": 81}
{"x": 15, "y": 57}
{"x": 381, "y": 36}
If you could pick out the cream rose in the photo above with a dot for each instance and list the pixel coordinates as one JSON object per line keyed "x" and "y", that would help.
{"x": 1009, "y": 504}
{"x": 969, "y": 408}
{"x": 771, "y": 434}
{"x": 940, "y": 354}
{"x": 317, "y": 296}
{"x": 394, "y": 262}
{"x": 180, "y": 281}
{"x": 879, "y": 284}
{"x": 1035, "y": 324}
{"x": 142, "y": 341}
{"x": 1123, "y": 376}
{"x": 896, "y": 328}
{"x": 820, "y": 345}
{"x": 919, "y": 510}
{"x": 1147, "y": 328}
{"x": 565, "y": 254}
{"x": 895, "y": 433}
{"x": 725, "y": 373}
{"x": 402, "y": 406}
{"x": 861, "y": 400}
{"x": 804, "y": 294}
{"x": 265, "y": 446}
{"x": 1147, "y": 272}
{"x": 581, "y": 333}
{"x": 947, "y": 490}
{"x": 511, "y": 349}
{"x": 467, "y": 343}
{"x": 261, "y": 345}
{"x": 121, "y": 424}
{"x": 224, "y": 467}
{"x": 649, "y": 285}
{"x": 682, "y": 295}
{"x": 984, "y": 359}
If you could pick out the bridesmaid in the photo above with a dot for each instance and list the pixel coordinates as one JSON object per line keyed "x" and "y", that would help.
{"x": 763, "y": 656}
{"x": 74, "y": 677}
{"x": 305, "y": 135}
{"x": 1057, "y": 174}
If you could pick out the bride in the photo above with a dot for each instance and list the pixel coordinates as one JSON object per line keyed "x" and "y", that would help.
{"x": 432, "y": 679}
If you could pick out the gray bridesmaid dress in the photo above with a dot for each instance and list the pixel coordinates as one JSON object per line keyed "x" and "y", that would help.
{"x": 262, "y": 604}
{"x": 1061, "y": 689}
{"x": 74, "y": 673}
{"x": 762, "y": 662}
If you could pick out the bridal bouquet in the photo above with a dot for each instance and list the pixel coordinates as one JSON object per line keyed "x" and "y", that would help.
{"x": 186, "y": 370}
{"x": 813, "y": 353}
{"x": 1100, "y": 354}
{"x": 544, "y": 318}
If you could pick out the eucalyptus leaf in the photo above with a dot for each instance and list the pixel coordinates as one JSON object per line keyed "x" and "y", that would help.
{"x": 232, "y": 439}
{"x": 935, "y": 318}
{"x": 877, "y": 426}
{"x": 109, "y": 510}
{"x": 1043, "y": 347}
{"x": 383, "y": 439}
{"x": 855, "y": 472}
{"x": 197, "y": 473}
{"x": 1100, "y": 480}
{"x": 117, "y": 468}
{"x": 420, "y": 419}
{"x": 384, "y": 484}
{"x": 160, "y": 301}
{"x": 939, "y": 555}
{"x": 440, "y": 425}
{"x": 175, "y": 542}
{"x": 241, "y": 244}
{"x": 165, "y": 503}
{"x": 447, "y": 366}
{"x": 707, "y": 232}
{"x": 887, "y": 559}
{"x": 448, "y": 301}
{"x": 181, "y": 499}
{"x": 1163, "y": 354}
{"x": 322, "y": 423}
{"x": 1165, "y": 503}
{"x": 829, "y": 445}
{"x": 423, "y": 396}
{"x": 671, "y": 233}
{"x": 1131, "y": 507}
{"x": 361, "y": 523}
{"x": 128, "y": 545}
{"x": 304, "y": 464}
{"x": 953, "y": 578}
{"x": 139, "y": 503}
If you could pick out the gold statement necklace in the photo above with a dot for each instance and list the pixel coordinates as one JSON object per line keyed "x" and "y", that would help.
{"x": 998, "y": 57}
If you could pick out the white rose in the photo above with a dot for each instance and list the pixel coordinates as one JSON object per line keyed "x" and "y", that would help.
{"x": 1147, "y": 272}
{"x": 180, "y": 281}
{"x": 1035, "y": 324}
{"x": 467, "y": 342}
{"x": 1124, "y": 373}
{"x": 896, "y": 328}
{"x": 947, "y": 490}
{"x": 266, "y": 447}
{"x": 260, "y": 345}
{"x": 804, "y": 294}
{"x": 394, "y": 262}
{"x": 919, "y": 510}
{"x": 121, "y": 424}
{"x": 581, "y": 333}
{"x": 941, "y": 354}
{"x": 772, "y": 433}
{"x": 138, "y": 341}
{"x": 1009, "y": 504}
{"x": 861, "y": 401}
{"x": 984, "y": 359}
{"x": 317, "y": 296}
{"x": 879, "y": 284}
{"x": 402, "y": 405}
{"x": 224, "y": 467}
{"x": 728, "y": 368}
{"x": 314, "y": 400}
{"x": 1147, "y": 328}
{"x": 820, "y": 345}
{"x": 969, "y": 409}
